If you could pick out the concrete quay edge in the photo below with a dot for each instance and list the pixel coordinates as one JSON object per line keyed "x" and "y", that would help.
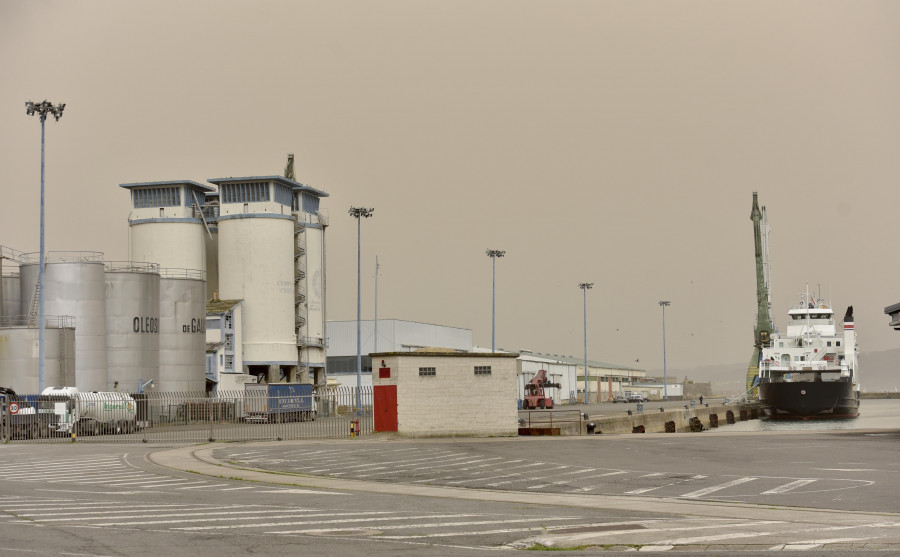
{"x": 199, "y": 460}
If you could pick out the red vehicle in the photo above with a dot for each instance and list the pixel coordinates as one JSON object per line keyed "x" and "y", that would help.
{"x": 534, "y": 392}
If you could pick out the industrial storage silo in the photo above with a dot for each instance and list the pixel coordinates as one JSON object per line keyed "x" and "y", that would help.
{"x": 132, "y": 325}
{"x": 165, "y": 225}
{"x": 256, "y": 264}
{"x": 10, "y": 294}
{"x": 182, "y": 330}
{"x": 19, "y": 362}
{"x": 75, "y": 285}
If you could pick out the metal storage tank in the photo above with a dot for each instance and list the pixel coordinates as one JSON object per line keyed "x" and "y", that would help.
{"x": 182, "y": 330}
{"x": 75, "y": 285}
{"x": 10, "y": 295}
{"x": 132, "y": 325}
{"x": 165, "y": 226}
{"x": 19, "y": 360}
{"x": 256, "y": 264}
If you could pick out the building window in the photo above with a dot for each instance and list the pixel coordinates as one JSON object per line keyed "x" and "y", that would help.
{"x": 283, "y": 195}
{"x": 156, "y": 197}
{"x": 229, "y": 363}
{"x": 228, "y": 321}
{"x": 229, "y": 343}
{"x": 482, "y": 370}
{"x": 837, "y": 343}
{"x": 244, "y": 192}
{"x": 310, "y": 203}
{"x": 427, "y": 371}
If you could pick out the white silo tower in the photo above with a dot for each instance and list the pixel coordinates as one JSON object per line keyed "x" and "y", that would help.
{"x": 309, "y": 288}
{"x": 256, "y": 264}
{"x": 167, "y": 226}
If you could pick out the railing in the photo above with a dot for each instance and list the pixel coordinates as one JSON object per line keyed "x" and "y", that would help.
{"x": 131, "y": 266}
{"x": 181, "y": 417}
{"x": 64, "y": 257}
{"x": 183, "y": 273}
{"x": 11, "y": 254}
{"x": 50, "y": 321}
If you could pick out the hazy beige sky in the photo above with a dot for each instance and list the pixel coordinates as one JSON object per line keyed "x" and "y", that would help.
{"x": 611, "y": 142}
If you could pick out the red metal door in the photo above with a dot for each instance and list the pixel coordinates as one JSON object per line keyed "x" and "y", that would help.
{"x": 385, "y": 408}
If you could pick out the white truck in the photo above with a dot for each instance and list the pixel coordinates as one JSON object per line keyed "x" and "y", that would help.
{"x": 89, "y": 413}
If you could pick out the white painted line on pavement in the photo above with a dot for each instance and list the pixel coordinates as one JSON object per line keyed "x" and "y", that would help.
{"x": 708, "y": 490}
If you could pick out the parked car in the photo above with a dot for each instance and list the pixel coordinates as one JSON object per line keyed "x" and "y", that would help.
{"x": 620, "y": 398}
{"x": 635, "y": 397}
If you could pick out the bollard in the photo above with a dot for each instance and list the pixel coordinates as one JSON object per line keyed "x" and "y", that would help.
{"x": 629, "y": 412}
{"x": 729, "y": 417}
{"x": 590, "y": 427}
{"x": 352, "y": 429}
{"x": 713, "y": 420}
{"x": 695, "y": 424}
{"x": 670, "y": 426}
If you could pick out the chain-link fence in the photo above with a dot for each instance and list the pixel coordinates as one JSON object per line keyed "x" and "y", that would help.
{"x": 272, "y": 413}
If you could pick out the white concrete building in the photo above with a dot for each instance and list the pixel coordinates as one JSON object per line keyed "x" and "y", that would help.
{"x": 224, "y": 347}
{"x": 430, "y": 393}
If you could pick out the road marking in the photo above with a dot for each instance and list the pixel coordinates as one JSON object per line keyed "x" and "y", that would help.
{"x": 849, "y": 469}
{"x": 345, "y": 520}
{"x": 787, "y": 487}
{"x": 708, "y": 490}
{"x": 423, "y": 525}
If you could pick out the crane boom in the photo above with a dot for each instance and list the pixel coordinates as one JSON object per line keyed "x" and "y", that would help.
{"x": 762, "y": 336}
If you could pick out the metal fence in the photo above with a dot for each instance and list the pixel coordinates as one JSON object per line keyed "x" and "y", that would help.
{"x": 178, "y": 417}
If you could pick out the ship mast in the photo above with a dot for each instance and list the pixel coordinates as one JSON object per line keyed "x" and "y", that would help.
{"x": 763, "y": 333}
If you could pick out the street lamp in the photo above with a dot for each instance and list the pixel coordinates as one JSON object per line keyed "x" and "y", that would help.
{"x": 664, "y": 304}
{"x": 42, "y": 109}
{"x": 493, "y": 254}
{"x": 359, "y": 213}
{"x": 585, "y": 286}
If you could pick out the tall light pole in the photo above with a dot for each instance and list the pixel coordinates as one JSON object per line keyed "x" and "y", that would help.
{"x": 664, "y": 304}
{"x": 377, "y": 272}
{"x": 359, "y": 213}
{"x": 493, "y": 254}
{"x": 585, "y": 286}
{"x": 42, "y": 109}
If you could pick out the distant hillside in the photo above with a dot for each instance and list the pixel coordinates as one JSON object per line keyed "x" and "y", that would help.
{"x": 879, "y": 371}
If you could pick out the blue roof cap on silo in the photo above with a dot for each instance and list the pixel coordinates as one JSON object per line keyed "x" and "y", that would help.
{"x": 295, "y": 186}
{"x": 190, "y": 183}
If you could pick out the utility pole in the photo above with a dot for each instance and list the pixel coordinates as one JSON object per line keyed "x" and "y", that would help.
{"x": 494, "y": 254}
{"x": 42, "y": 109}
{"x": 585, "y": 286}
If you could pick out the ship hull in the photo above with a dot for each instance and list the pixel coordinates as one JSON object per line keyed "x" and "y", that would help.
{"x": 809, "y": 399}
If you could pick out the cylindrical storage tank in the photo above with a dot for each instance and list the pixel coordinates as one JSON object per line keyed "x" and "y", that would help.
{"x": 256, "y": 264}
{"x": 182, "y": 331}
{"x": 132, "y": 325}
{"x": 74, "y": 284}
{"x": 11, "y": 303}
{"x": 176, "y": 245}
{"x": 19, "y": 362}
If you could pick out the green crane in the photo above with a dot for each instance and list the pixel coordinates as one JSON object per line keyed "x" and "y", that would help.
{"x": 763, "y": 334}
